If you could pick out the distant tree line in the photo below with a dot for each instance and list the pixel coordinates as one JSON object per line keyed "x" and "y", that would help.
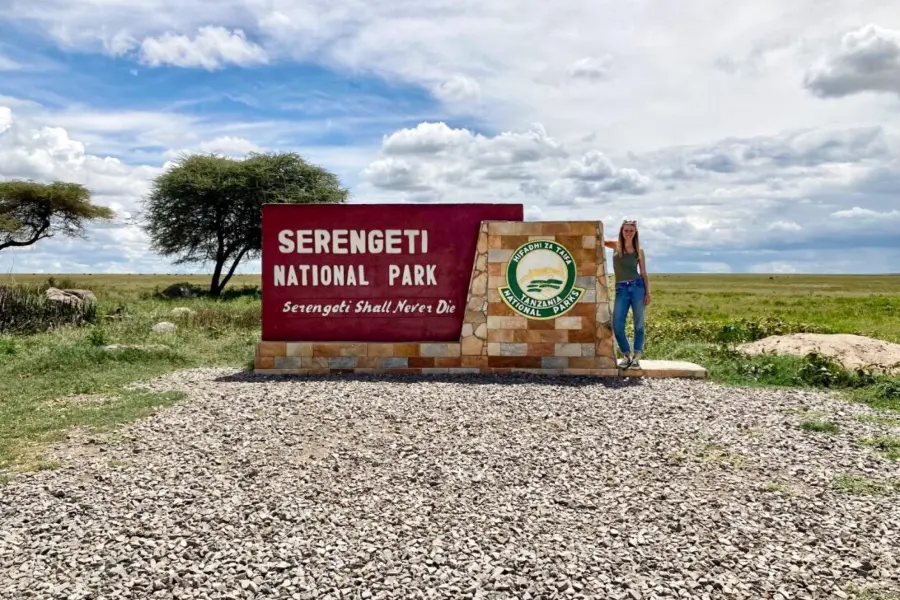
{"x": 203, "y": 209}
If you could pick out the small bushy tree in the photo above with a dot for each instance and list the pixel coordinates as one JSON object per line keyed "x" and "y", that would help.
{"x": 31, "y": 211}
{"x": 208, "y": 208}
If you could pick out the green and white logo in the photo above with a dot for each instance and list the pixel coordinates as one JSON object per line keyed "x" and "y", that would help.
{"x": 540, "y": 280}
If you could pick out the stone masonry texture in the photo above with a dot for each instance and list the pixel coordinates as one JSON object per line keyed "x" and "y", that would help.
{"x": 494, "y": 338}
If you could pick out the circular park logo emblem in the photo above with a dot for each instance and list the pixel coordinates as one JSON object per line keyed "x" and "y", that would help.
{"x": 540, "y": 279}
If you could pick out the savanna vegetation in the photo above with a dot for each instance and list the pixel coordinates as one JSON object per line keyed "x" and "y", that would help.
{"x": 65, "y": 376}
{"x": 65, "y": 360}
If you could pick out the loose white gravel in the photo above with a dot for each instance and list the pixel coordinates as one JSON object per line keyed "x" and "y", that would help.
{"x": 466, "y": 487}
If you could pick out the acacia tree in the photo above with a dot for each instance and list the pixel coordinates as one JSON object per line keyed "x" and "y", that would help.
{"x": 208, "y": 208}
{"x": 31, "y": 211}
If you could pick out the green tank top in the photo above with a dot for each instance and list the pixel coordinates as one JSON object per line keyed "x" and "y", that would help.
{"x": 626, "y": 267}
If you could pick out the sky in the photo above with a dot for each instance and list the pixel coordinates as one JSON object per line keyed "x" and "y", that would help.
{"x": 744, "y": 137}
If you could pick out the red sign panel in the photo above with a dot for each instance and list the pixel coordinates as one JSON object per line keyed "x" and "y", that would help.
{"x": 370, "y": 272}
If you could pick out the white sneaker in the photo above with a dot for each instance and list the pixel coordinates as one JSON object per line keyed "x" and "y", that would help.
{"x": 625, "y": 362}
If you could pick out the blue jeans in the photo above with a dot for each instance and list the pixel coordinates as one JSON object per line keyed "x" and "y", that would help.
{"x": 629, "y": 294}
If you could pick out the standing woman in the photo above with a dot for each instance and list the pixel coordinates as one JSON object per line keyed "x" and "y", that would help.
{"x": 632, "y": 291}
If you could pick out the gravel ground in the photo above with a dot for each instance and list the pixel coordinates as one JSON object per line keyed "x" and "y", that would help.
{"x": 511, "y": 487}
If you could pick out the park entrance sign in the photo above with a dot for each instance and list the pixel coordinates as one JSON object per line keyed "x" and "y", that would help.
{"x": 446, "y": 288}
{"x": 373, "y": 273}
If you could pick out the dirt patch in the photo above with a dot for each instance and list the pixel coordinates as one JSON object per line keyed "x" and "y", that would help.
{"x": 851, "y": 351}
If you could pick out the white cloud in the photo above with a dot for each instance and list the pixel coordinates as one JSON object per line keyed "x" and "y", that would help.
{"x": 116, "y": 132}
{"x": 5, "y": 118}
{"x": 792, "y": 152}
{"x": 723, "y": 131}
{"x": 534, "y": 213}
{"x": 40, "y": 153}
{"x": 866, "y": 214}
{"x": 458, "y": 89}
{"x": 212, "y": 48}
{"x": 120, "y": 44}
{"x": 28, "y": 151}
{"x": 394, "y": 174}
{"x": 225, "y": 145}
{"x": 447, "y": 162}
{"x": 147, "y": 137}
{"x": 591, "y": 68}
{"x": 601, "y": 176}
{"x": 784, "y": 226}
{"x": 426, "y": 138}
{"x": 867, "y": 60}
{"x": 428, "y": 141}
{"x": 665, "y": 56}
{"x": 776, "y": 191}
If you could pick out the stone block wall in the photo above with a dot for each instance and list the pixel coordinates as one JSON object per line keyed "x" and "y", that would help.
{"x": 342, "y": 357}
{"x": 578, "y": 342}
{"x": 494, "y": 338}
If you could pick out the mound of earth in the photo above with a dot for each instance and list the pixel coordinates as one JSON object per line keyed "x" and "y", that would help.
{"x": 851, "y": 351}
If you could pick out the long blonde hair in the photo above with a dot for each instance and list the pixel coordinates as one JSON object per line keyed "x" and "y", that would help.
{"x": 620, "y": 247}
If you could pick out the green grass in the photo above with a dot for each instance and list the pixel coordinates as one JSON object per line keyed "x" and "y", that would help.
{"x": 693, "y": 317}
{"x": 886, "y": 444}
{"x": 702, "y": 319}
{"x": 864, "y": 486}
{"x": 879, "y": 420}
{"x": 861, "y": 304}
{"x": 780, "y": 488}
{"x": 38, "y": 372}
{"x": 820, "y": 426}
{"x": 870, "y": 593}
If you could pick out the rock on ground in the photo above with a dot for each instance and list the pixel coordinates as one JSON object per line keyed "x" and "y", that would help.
{"x": 73, "y": 297}
{"x": 851, "y": 351}
{"x": 86, "y": 295}
{"x": 164, "y": 327}
{"x": 465, "y": 487}
{"x": 177, "y": 291}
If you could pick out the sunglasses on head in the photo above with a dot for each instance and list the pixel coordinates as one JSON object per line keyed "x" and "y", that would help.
{"x": 626, "y": 222}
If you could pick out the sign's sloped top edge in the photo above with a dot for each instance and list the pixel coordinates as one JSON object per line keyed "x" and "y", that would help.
{"x": 393, "y": 204}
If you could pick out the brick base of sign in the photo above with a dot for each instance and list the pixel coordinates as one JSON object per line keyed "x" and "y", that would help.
{"x": 418, "y": 358}
{"x": 280, "y": 358}
{"x": 494, "y": 338}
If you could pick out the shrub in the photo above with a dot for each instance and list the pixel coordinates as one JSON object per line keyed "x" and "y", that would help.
{"x": 97, "y": 337}
{"x": 819, "y": 370}
{"x": 157, "y": 292}
{"x": 888, "y": 389}
{"x": 8, "y": 347}
{"x": 883, "y": 394}
{"x": 26, "y": 310}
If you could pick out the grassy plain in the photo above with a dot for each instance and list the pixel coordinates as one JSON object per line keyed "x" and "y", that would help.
{"x": 861, "y": 304}
{"x": 52, "y": 382}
